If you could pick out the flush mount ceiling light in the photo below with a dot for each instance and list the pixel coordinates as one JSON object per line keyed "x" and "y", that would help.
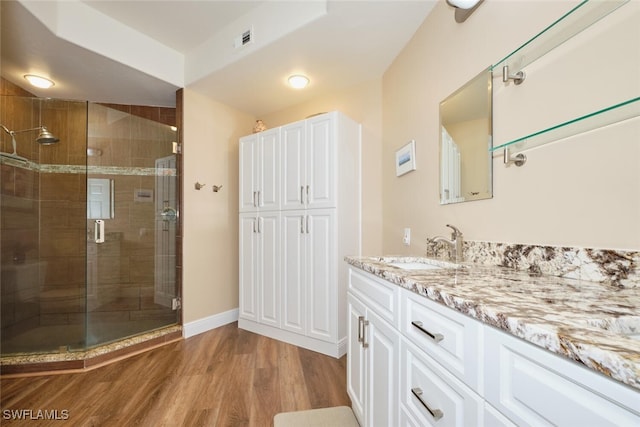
{"x": 298, "y": 81}
{"x": 464, "y": 8}
{"x": 39, "y": 81}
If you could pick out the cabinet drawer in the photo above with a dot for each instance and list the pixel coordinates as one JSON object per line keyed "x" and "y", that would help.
{"x": 431, "y": 395}
{"x": 380, "y": 295}
{"x": 532, "y": 386}
{"x": 449, "y": 337}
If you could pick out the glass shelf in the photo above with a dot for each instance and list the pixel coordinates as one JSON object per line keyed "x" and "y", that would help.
{"x": 576, "y": 20}
{"x": 613, "y": 114}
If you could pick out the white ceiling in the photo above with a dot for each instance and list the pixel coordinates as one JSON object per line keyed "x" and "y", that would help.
{"x": 140, "y": 52}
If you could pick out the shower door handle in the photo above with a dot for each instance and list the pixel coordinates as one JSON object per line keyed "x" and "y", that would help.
{"x": 169, "y": 214}
{"x": 98, "y": 230}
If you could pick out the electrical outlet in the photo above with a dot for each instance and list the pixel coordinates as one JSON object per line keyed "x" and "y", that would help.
{"x": 406, "y": 239}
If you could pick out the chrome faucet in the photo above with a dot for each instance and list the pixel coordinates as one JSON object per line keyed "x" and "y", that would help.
{"x": 455, "y": 244}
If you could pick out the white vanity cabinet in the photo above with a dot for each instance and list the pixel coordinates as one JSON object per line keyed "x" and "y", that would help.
{"x": 374, "y": 350}
{"x": 534, "y": 387}
{"x": 308, "y": 175}
{"x": 456, "y": 371}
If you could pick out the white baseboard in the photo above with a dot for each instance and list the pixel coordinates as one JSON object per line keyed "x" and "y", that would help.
{"x": 208, "y": 323}
{"x": 332, "y": 349}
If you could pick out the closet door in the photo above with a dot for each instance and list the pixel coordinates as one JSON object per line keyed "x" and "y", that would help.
{"x": 248, "y": 267}
{"x": 268, "y": 186}
{"x": 321, "y": 162}
{"x": 249, "y": 169}
{"x": 294, "y": 182}
{"x": 294, "y": 292}
{"x": 268, "y": 247}
{"x": 321, "y": 273}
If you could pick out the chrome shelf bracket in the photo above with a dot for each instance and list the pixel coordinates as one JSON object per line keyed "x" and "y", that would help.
{"x": 517, "y": 77}
{"x": 517, "y": 159}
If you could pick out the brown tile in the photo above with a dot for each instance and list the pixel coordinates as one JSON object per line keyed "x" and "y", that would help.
{"x": 59, "y": 186}
{"x": 62, "y": 242}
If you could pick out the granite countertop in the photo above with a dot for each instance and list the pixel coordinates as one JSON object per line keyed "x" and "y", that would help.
{"x": 573, "y": 318}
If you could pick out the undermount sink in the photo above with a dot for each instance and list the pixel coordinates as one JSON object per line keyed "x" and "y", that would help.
{"x": 418, "y": 263}
{"x": 628, "y": 326}
{"x": 415, "y": 266}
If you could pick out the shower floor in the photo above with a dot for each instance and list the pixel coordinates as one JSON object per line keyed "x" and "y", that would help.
{"x": 62, "y": 338}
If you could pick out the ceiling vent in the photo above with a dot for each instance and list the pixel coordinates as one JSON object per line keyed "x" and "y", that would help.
{"x": 244, "y": 39}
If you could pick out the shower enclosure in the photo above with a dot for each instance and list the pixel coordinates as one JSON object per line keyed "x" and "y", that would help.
{"x": 88, "y": 224}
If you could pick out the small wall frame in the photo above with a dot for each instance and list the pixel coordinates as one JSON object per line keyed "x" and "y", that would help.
{"x": 406, "y": 158}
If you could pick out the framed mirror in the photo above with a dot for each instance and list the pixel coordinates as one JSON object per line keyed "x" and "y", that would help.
{"x": 466, "y": 133}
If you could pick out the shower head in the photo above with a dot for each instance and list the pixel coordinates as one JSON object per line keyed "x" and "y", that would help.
{"x": 45, "y": 137}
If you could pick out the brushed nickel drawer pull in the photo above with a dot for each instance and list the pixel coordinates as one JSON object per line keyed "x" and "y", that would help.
{"x": 365, "y": 323}
{"x": 435, "y": 413}
{"x": 360, "y": 321}
{"x": 435, "y": 337}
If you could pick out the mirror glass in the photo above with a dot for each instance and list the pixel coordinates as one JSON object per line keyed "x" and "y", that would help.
{"x": 465, "y": 142}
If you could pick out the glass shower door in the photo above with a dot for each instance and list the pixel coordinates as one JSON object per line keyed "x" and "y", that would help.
{"x": 131, "y": 225}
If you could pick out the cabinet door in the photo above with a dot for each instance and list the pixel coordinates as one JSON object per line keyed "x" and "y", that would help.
{"x": 321, "y": 274}
{"x": 321, "y": 161}
{"x": 268, "y": 233}
{"x": 248, "y": 267}
{"x": 293, "y": 277}
{"x": 383, "y": 348}
{"x": 294, "y": 182}
{"x": 534, "y": 387}
{"x": 249, "y": 158}
{"x": 356, "y": 375}
{"x": 268, "y": 187}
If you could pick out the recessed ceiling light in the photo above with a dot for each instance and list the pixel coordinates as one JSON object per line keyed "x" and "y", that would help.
{"x": 298, "y": 81}
{"x": 38, "y": 81}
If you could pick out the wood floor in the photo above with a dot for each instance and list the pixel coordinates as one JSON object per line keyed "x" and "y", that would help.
{"x": 224, "y": 377}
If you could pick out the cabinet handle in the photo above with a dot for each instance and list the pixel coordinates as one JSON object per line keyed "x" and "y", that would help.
{"x": 435, "y": 337}
{"x": 435, "y": 413}
{"x": 307, "y": 194}
{"x": 302, "y": 194}
{"x": 360, "y": 321}
{"x": 307, "y": 224}
{"x": 254, "y": 224}
{"x": 365, "y": 323}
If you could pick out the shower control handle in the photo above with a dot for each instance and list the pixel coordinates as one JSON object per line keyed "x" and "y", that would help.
{"x": 98, "y": 230}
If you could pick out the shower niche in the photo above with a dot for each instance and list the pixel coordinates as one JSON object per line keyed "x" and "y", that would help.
{"x": 80, "y": 271}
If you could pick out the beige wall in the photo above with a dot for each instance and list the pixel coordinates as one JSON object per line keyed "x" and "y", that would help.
{"x": 583, "y": 191}
{"x": 210, "y": 276}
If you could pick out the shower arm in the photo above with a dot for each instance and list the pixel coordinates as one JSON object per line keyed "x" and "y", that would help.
{"x": 13, "y": 133}
{"x": 13, "y": 139}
